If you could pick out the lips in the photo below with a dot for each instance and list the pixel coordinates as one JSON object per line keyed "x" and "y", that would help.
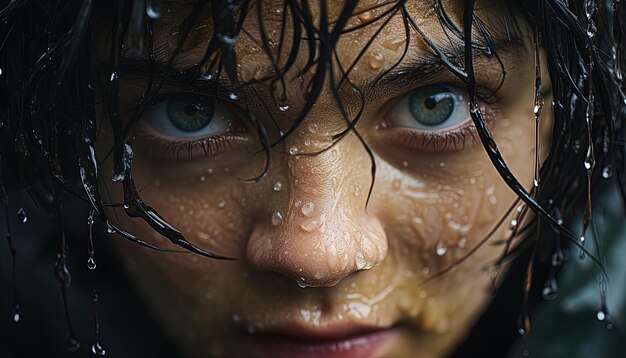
{"x": 340, "y": 341}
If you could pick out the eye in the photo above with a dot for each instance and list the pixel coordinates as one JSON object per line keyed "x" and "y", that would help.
{"x": 190, "y": 125}
{"x": 191, "y": 115}
{"x": 431, "y": 108}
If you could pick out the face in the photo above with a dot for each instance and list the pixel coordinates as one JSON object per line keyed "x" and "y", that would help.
{"x": 319, "y": 268}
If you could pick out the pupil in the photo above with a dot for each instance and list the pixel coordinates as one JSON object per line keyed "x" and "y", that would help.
{"x": 191, "y": 109}
{"x": 430, "y": 103}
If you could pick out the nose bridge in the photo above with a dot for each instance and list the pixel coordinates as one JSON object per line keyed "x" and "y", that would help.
{"x": 325, "y": 234}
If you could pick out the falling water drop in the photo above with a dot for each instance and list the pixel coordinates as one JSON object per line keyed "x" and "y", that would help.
{"x": 301, "y": 282}
{"x": 71, "y": 343}
{"x": 17, "y": 313}
{"x": 550, "y": 289}
{"x": 91, "y": 263}
{"x": 277, "y": 218}
{"x": 21, "y": 215}
{"x": 441, "y": 249}
{"x": 98, "y": 350}
{"x": 153, "y": 10}
{"x": 607, "y": 172}
{"x": 278, "y": 186}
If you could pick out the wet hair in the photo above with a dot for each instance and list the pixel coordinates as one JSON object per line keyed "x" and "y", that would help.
{"x": 53, "y": 86}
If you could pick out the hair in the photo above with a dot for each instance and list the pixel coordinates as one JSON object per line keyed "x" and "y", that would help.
{"x": 53, "y": 88}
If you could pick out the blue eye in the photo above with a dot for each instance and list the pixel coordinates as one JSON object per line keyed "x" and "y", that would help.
{"x": 190, "y": 112}
{"x": 191, "y": 116}
{"x": 431, "y": 107}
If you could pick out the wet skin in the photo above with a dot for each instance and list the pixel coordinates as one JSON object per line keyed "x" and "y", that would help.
{"x": 436, "y": 195}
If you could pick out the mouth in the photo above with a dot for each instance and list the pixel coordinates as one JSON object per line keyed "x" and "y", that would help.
{"x": 330, "y": 342}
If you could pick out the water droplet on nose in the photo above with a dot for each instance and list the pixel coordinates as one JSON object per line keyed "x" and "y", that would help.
{"x": 21, "y": 215}
{"x": 98, "y": 350}
{"x": 310, "y": 225}
{"x": 233, "y": 96}
{"x": 277, "y": 218}
{"x": 308, "y": 209}
{"x": 395, "y": 44}
{"x": 293, "y": 150}
{"x": 221, "y": 204}
{"x": 441, "y": 249}
{"x": 601, "y": 315}
{"x": 607, "y": 172}
{"x": 301, "y": 282}
{"x": 375, "y": 60}
{"x": 278, "y": 186}
{"x": 359, "y": 261}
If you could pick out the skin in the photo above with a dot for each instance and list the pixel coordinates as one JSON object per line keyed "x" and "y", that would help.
{"x": 364, "y": 264}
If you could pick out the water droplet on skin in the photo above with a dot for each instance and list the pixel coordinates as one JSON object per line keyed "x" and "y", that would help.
{"x": 513, "y": 224}
{"x": 278, "y": 186}
{"x": 21, "y": 216}
{"x": 394, "y": 44}
{"x": 462, "y": 242}
{"x": 308, "y": 209}
{"x": 396, "y": 184}
{"x": 375, "y": 60}
{"x": 607, "y": 172}
{"x": 293, "y": 150}
{"x": 113, "y": 76}
{"x": 359, "y": 261}
{"x": 98, "y": 350}
{"x": 301, "y": 282}
{"x": 313, "y": 127}
{"x": 110, "y": 229}
{"x": 365, "y": 16}
{"x": 601, "y": 315}
{"x": 441, "y": 249}
{"x": 405, "y": 164}
{"x": 221, "y": 204}
{"x": 310, "y": 225}
{"x": 284, "y": 107}
{"x": 277, "y": 218}
{"x": 233, "y": 96}
{"x": 236, "y": 318}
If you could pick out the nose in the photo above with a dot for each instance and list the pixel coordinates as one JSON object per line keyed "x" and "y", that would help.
{"x": 322, "y": 233}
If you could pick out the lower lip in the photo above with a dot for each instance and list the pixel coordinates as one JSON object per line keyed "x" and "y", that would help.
{"x": 368, "y": 345}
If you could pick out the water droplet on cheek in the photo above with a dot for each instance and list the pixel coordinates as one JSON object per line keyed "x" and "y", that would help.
{"x": 441, "y": 249}
{"x": 277, "y": 218}
{"x": 278, "y": 186}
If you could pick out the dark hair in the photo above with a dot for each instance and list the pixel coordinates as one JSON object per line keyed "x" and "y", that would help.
{"x": 51, "y": 82}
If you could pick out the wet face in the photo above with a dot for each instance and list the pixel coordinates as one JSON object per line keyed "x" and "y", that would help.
{"x": 317, "y": 267}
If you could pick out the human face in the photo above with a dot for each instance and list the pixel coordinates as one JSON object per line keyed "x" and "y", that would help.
{"x": 319, "y": 269}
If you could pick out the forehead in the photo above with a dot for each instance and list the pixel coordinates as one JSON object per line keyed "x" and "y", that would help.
{"x": 376, "y": 26}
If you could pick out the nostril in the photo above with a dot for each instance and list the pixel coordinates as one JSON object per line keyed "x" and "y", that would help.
{"x": 317, "y": 257}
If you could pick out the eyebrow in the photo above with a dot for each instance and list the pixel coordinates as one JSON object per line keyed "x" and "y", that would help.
{"x": 412, "y": 71}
